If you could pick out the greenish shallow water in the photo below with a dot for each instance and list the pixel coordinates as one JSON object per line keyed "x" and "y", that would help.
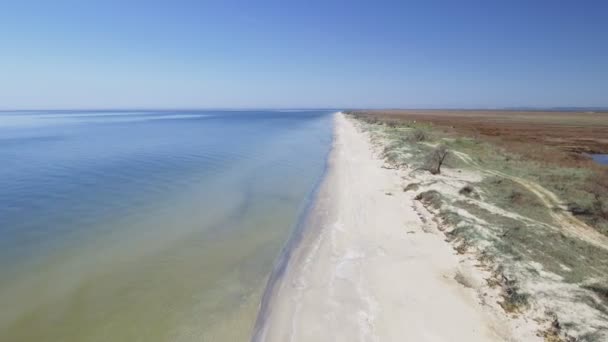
{"x": 148, "y": 226}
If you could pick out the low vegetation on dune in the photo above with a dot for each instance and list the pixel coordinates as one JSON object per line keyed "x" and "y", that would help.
{"x": 435, "y": 159}
{"x": 580, "y": 184}
{"x": 537, "y": 221}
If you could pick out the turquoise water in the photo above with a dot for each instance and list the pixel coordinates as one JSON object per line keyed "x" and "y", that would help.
{"x": 149, "y": 225}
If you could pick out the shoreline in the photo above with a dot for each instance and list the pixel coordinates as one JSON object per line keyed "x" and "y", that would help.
{"x": 349, "y": 274}
{"x": 305, "y": 222}
{"x": 298, "y": 247}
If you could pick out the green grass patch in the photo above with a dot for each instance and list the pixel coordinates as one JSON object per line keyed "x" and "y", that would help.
{"x": 511, "y": 196}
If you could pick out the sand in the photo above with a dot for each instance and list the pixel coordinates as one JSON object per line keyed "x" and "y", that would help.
{"x": 367, "y": 267}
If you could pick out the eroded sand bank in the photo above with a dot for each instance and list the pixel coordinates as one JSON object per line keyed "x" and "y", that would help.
{"x": 367, "y": 269}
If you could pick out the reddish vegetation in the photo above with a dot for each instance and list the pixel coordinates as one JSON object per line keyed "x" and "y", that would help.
{"x": 569, "y": 131}
{"x": 552, "y": 138}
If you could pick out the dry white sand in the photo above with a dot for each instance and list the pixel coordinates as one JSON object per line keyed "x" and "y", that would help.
{"x": 366, "y": 270}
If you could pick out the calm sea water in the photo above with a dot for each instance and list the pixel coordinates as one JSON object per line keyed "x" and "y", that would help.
{"x": 148, "y": 226}
{"x": 600, "y": 158}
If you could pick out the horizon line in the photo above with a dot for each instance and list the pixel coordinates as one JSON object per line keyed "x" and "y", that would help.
{"x": 507, "y": 108}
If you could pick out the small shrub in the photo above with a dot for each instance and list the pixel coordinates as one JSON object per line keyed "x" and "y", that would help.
{"x": 513, "y": 300}
{"x": 417, "y": 135}
{"x": 431, "y": 198}
{"x": 436, "y": 159}
{"x": 516, "y": 197}
{"x": 462, "y": 247}
{"x": 411, "y": 187}
{"x": 597, "y": 185}
{"x": 579, "y": 210}
{"x": 449, "y": 218}
{"x": 468, "y": 191}
{"x": 600, "y": 290}
{"x": 554, "y": 332}
{"x": 591, "y": 201}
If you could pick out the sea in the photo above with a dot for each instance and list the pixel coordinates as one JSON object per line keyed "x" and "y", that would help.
{"x": 122, "y": 225}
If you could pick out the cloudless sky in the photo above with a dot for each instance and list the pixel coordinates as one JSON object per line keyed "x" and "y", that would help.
{"x": 201, "y": 54}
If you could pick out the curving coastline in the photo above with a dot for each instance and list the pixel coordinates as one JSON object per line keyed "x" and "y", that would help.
{"x": 366, "y": 266}
{"x": 305, "y": 227}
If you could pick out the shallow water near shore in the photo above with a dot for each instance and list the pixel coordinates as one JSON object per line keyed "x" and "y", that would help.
{"x": 148, "y": 226}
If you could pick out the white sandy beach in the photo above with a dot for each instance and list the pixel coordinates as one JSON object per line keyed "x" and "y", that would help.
{"x": 367, "y": 269}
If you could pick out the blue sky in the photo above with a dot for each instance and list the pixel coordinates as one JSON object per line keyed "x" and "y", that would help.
{"x": 187, "y": 54}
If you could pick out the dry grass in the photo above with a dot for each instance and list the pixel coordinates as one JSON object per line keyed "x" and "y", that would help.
{"x": 513, "y": 300}
{"x": 542, "y": 146}
{"x": 418, "y": 135}
{"x": 568, "y": 131}
{"x": 509, "y": 225}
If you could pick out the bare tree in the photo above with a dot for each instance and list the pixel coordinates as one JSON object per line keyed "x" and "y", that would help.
{"x": 436, "y": 159}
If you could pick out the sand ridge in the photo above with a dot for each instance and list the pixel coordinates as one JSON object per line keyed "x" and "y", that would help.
{"x": 368, "y": 270}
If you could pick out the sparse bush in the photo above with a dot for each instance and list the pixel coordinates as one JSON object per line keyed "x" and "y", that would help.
{"x": 468, "y": 191}
{"x": 449, "y": 218}
{"x": 597, "y": 185}
{"x": 599, "y": 289}
{"x": 516, "y": 197}
{"x": 554, "y": 332}
{"x": 513, "y": 225}
{"x": 431, "y": 198}
{"x": 417, "y": 135}
{"x": 592, "y": 205}
{"x": 512, "y": 196}
{"x": 513, "y": 300}
{"x": 462, "y": 247}
{"x": 436, "y": 159}
{"x": 579, "y": 210}
{"x": 411, "y": 187}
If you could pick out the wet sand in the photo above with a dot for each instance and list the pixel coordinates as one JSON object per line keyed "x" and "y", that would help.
{"x": 366, "y": 268}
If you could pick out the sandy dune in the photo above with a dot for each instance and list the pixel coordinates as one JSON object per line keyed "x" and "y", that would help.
{"x": 366, "y": 270}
